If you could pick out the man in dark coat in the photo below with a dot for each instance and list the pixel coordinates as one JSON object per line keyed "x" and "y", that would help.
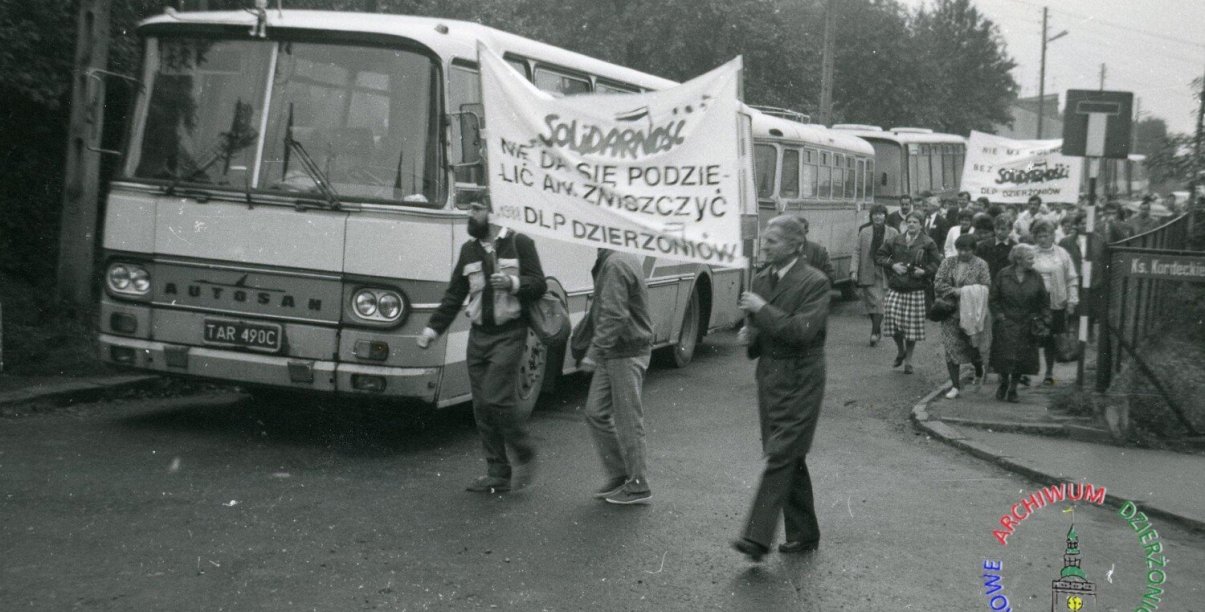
{"x": 896, "y": 218}
{"x": 995, "y": 250}
{"x": 788, "y": 311}
{"x": 815, "y": 254}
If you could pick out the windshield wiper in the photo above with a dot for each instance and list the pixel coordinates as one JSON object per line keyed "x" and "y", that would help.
{"x": 308, "y": 165}
{"x": 240, "y": 136}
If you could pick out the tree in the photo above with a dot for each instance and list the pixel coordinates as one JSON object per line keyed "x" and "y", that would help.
{"x": 967, "y": 81}
{"x": 1150, "y": 135}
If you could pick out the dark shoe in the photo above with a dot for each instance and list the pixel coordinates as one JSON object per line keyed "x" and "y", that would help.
{"x": 1012, "y": 394}
{"x": 1002, "y": 390}
{"x": 750, "y": 549}
{"x": 632, "y": 492}
{"x": 798, "y": 547}
{"x": 489, "y": 484}
{"x": 1048, "y": 381}
{"x": 874, "y": 339}
{"x": 610, "y": 488}
{"x": 523, "y": 474}
{"x": 908, "y": 369}
{"x": 899, "y": 359}
{"x": 1024, "y": 380}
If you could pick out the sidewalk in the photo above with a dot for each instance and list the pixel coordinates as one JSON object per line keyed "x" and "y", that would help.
{"x": 1047, "y": 447}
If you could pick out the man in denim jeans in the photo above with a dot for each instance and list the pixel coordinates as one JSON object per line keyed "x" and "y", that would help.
{"x": 619, "y": 353}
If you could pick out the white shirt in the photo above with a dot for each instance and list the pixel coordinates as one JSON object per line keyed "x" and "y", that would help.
{"x": 951, "y": 237}
{"x": 781, "y": 272}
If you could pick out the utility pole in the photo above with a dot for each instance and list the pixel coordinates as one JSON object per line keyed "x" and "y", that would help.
{"x": 1042, "y": 76}
{"x": 1042, "y": 70}
{"x": 1197, "y": 168}
{"x": 826, "y": 63}
{"x": 1102, "y": 77}
{"x": 77, "y": 228}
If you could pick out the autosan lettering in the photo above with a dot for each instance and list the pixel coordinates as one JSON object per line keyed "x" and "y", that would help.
{"x": 240, "y": 295}
{"x": 619, "y": 143}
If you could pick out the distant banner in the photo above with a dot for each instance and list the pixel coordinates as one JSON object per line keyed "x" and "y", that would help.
{"x": 1011, "y": 171}
{"x": 654, "y": 174}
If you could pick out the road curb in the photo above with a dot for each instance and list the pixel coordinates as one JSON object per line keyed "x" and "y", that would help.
{"x": 936, "y": 429}
{"x": 84, "y": 389}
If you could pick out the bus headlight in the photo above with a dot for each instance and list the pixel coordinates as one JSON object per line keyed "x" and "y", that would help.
{"x": 389, "y": 304}
{"x": 366, "y": 303}
{"x": 127, "y": 279}
{"x": 378, "y": 305}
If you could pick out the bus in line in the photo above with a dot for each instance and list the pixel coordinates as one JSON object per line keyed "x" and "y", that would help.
{"x": 824, "y": 175}
{"x": 912, "y": 160}
{"x": 293, "y": 194}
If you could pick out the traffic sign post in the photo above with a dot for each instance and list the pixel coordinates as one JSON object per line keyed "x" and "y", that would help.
{"x": 1097, "y": 124}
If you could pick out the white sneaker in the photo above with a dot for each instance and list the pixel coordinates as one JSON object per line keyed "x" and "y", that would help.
{"x": 952, "y": 393}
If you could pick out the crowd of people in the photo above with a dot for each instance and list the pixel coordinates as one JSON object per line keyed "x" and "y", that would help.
{"x": 1002, "y": 280}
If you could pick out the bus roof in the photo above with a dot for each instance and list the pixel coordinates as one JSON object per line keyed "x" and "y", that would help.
{"x": 769, "y": 127}
{"x": 459, "y": 40}
{"x": 900, "y": 135}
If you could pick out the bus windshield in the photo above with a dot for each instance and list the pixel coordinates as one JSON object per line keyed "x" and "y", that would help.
{"x": 222, "y": 113}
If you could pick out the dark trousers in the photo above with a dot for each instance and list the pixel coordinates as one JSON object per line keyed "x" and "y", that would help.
{"x": 493, "y": 360}
{"x": 786, "y": 488}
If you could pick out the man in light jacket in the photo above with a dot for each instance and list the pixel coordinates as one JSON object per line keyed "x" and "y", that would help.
{"x": 619, "y": 353}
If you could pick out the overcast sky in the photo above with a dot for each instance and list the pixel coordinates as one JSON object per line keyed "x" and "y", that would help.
{"x": 1153, "y": 48}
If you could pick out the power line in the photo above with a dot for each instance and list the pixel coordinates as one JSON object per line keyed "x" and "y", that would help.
{"x": 1088, "y": 20}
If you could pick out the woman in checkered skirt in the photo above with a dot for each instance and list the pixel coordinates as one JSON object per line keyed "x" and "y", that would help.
{"x": 911, "y": 260}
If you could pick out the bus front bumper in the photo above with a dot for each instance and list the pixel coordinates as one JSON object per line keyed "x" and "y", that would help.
{"x": 270, "y": 370}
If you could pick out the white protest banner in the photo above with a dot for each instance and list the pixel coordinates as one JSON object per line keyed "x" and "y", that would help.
{"x": 1011, "y": 171}
{"x": 654, "y": 174}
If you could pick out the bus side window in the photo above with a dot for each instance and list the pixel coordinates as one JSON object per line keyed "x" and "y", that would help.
{"x": 860, "y": 181}
{"x": 839, "y": 176}
{"x": 464, "y": 95}
{"x": 765, "y": 162}
{"x": 809, "y": 173}
{"x": 868, "y": 188}
{"x": 826, "y": 176}
{"x": 790, "y": 174}
{"x": 603, "y": 87}
{"x": 850, "y": 177}
{"x": 559, "y": 82}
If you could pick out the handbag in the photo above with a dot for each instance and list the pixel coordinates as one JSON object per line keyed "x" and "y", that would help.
{"x": 1067, "y": 347}
{"x": 1039, "y": 325}
{"x": 941, "y": 309}
{"x": 549, "y": 319}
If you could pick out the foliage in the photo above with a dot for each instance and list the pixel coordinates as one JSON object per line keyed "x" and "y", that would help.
{"x": 943, "y": 67}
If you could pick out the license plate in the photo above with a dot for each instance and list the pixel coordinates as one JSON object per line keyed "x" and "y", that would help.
{"x": 255, "y": 336}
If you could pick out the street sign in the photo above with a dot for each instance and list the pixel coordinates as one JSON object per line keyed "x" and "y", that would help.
{"x": 1098, "y": 123}
{"x": 1189, "y": 268}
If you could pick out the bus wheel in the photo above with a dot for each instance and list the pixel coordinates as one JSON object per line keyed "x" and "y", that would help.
{"x": 683, "y": 352}
{"x": 531, "y": 375}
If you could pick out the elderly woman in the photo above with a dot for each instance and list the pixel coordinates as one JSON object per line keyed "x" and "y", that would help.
{"x": 959, "y": 275}
{"x": 867, "y": 274}
{"x": 911, "y": 259}
{"x": 1059, "y": 274}
{"x": 1018, "y": 297}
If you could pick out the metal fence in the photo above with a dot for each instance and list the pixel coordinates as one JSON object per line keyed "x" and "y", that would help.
{"x": 1133, "y": 305}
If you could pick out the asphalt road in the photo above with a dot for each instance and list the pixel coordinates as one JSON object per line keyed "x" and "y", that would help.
{"x": 223, "y": 502}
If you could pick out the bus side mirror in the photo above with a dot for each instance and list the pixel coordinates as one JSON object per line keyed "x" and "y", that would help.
{"x": 96, "y": 98}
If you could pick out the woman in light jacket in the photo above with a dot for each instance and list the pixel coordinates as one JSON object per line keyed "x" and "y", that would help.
{"x": 1059, "y": 275}
{"x": 867, "y": 274}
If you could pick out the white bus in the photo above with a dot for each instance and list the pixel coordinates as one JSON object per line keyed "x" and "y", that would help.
{"x": 293, "y": 195}
{"x": 912, "y": 161}
{"x": 824, "y": 175}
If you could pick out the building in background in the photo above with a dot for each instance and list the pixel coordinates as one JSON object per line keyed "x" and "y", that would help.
{"x": 1025, "y": 119}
